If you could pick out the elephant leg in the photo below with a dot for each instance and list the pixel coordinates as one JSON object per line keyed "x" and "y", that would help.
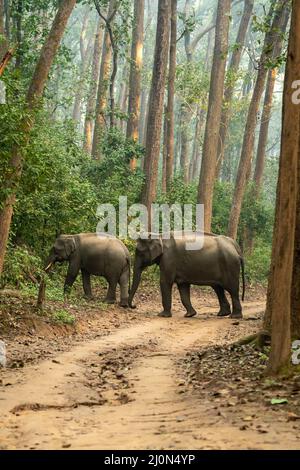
{"x": 111, "y": 292}
{"x": 236, "y": 304}
{"x": 166, "y": 294}
{"x": 185, "y": 295}
{"x": 124, "y": 284}
{"x": 70, "y": 279}
{"x": 225, "y": 310}
{"x": 86, "y": 281}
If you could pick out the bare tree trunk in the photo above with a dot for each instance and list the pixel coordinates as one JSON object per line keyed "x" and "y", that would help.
{"x": 194, "y": 165}
{"x": 184, "y": 155}
{"x": 85, "y": 56}
{"x": 169, "y": 116}
{"x": 232, "y": 72}
{"x": 295, "y": 293}
{"x": 142, "y": 115}
{"x": 211, "y": 139}
{"x": 7, "y": 18}
{"x": 104, "y": 76}
{"x": 3, "y": 41}
{"x": 135, "y": 75}
{"x": 249, "y": 136}
{"x": 91, "y": 104}
{"x": 280, "y": 282}
{"x": 156, "y": 102}
{"x": 185, "y": 111}
{"x": 34, "y": 94}
{"x": 266, "y": 115}
{"x": 164, "y": 160}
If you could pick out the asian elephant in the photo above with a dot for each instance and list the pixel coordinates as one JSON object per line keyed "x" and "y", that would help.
{"x": 217, "y": 264}
{"x": 93, "y": 254}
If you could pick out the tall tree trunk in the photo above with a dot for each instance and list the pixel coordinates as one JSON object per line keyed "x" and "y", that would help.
{"x": 194, "y": 165}
{"x": 211, "y": 139}
{"x": 232, "y": 73}
{"x": 280, "y": 282}
{"x": 7, "y": 18}
{"x": 169, "y": 114}
{"x": 142, "y": 115}
{"x": 104, "y": 76}
{"x": 91, "y": 103}
{"x": 135, "y": 75}
{"x": 123, "y": 94}
{"x": 266, "y": 115}
{"x": 156, "y": 103}
{"x": 84, "y": 64}
{"x": 244, "y": 168}
{"x": 34, "y": 94}
{"x": 185, "y": 110}
{"x": 295, "y": 293}
{"x": 164, "y": 160}
{"x": 18, "y": 27}
{"x": 3, "y": 41}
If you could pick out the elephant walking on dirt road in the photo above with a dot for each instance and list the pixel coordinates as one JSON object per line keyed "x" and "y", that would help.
{"x": 94, "y": 254}
{"x": 217, "y": 264}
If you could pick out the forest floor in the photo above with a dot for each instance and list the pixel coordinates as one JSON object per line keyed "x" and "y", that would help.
{"x": 123, "y": 379}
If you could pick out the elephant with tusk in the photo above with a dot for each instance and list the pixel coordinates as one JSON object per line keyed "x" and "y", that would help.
{"x": 217, "y": 264}
{"x": 93, "y": 254}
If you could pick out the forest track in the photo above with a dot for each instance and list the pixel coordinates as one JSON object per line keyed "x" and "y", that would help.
{"x": 125, "y": 391}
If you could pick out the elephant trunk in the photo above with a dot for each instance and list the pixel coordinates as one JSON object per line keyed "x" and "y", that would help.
{"x": 137, "y": 273}
{"x": 50, "y": 261}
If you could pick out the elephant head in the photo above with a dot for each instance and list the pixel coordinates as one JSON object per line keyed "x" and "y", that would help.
{"x": 61, "y": 251}
{"x": 148, "y": 251}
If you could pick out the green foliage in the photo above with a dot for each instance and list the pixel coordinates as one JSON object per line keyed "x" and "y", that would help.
{"x": 192, "y": 82}
{"x": 21, "y": 266}
{"x": 258, "y": 263}
{"x": 53, "y": 197}
{"x": 63, "y": 316}
{"x": 111, "y": 177}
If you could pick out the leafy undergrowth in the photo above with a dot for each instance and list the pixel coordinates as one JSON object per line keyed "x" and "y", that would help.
{"x": 234, "y": 375}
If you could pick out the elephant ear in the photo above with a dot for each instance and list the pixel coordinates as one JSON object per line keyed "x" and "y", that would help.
{"x": 69, "y": 244}
{"x": 156, "y": 249}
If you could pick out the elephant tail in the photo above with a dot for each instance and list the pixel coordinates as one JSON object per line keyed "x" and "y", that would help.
{"x": 129, "y": 275}
{"x": 243, "y": 276}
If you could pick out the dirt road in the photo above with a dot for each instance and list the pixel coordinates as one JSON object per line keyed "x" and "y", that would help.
{"x": 126, "y": 391}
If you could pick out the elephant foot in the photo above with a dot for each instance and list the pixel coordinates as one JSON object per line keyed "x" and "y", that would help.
{"x": 89, "y": 298}
{"x": 109, "y": 301}
{"x": 224, "y": 313}
{"x": 236, "y": 315}
{"x": 124, "y": 303}
{"x": 190, "y": 314}
{"x": 165, "y": 314}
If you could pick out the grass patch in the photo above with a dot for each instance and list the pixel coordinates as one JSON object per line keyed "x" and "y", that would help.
{"x": 63, "y": 316}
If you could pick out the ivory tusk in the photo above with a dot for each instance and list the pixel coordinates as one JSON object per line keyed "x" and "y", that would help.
{"x": 48, "y": 267}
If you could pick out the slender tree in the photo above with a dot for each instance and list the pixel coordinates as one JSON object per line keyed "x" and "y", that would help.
{"x": 267, "y": 111}
{"x": 185, "y": 109}
{"x": 231, "y": 74}
{"x": 156, "y": 103}
{"x": 169, "y": 112}
{"x": 211, "y": 139}
{"x": 136, "y": 65}
{"x": 91, "y": 103}
{"x": 34, "y": 94}
{"x": 85, "y": 56}
{"x": 277, "y": 12}
{"x": 3, "y": 40}
{"x": 101, "y": 104}
{"x": 281, "y": 278}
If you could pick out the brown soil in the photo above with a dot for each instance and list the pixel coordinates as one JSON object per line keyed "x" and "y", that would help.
{"x": 126, "y": 380}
